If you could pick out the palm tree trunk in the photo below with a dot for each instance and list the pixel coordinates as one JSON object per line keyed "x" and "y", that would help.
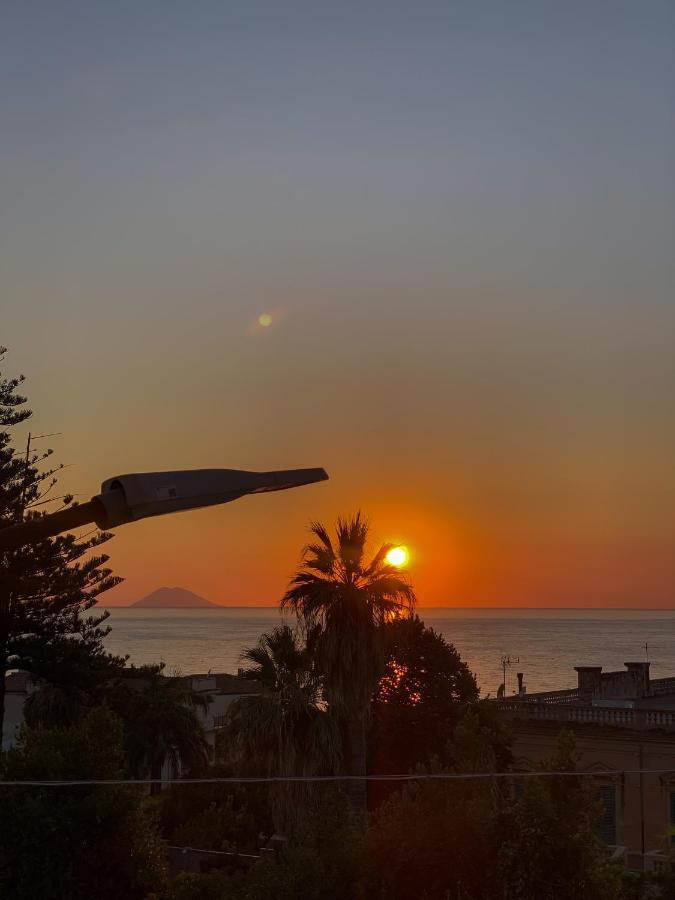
{"x": 355, "y": 735}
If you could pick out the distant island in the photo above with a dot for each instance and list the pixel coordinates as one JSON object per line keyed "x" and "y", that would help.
{"x": 173, "y": 598}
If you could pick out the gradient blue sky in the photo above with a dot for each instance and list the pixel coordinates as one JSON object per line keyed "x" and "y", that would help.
{"x": 462, "y": 219}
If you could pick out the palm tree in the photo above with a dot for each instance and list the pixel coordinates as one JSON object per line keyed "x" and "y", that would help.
{"x": 159, "y": 716}
{"x": 160, "y": 723}
{"x": 285, "y": 729}
{"x": 52, "y": 706}
{"x": 344, "y": 602}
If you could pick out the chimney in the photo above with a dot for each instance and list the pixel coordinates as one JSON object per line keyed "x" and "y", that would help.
{"x": 640, "y": 674}
{"x": 589, "y": 681}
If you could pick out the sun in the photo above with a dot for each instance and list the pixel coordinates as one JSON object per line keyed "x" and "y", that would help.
{"x": 398, "y": 556}
{"x": 265, "y": 319}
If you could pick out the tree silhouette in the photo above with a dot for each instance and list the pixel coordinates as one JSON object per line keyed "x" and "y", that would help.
{"x": 161, "y": 724}
{"x": 344, "y": 602}
{"x": 283, "y": 730}
{"x": 420, "y": 697}
{"x": 47, "y": 588}
{"x": 80, "y": 842}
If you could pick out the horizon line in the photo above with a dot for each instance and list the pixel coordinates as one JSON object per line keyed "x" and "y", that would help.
{"x": 214, "y": 605}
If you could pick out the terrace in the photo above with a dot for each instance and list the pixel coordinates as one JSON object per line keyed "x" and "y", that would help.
{"x": 624, "y": 699}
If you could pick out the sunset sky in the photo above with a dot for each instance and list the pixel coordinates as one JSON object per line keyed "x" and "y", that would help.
{"x": 460, "y": 218}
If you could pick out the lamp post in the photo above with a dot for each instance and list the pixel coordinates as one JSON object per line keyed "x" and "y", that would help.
{"x": 129, "y": 498}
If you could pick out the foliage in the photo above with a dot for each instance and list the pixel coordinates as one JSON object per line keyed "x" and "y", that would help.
{"x": 283, "y": 730}
{"x": 158, "y": 714}
{"x": 433, "y": 839}
{"x": 84, "y": 674}
{"x": 477, "y": 840}
{"x": 215, "y": 816}
{"x": 480, "y": 741}
{"x": 46, "y": 588}
{"x": 79, "y": 842}
{"x": 550, "y": 849}
{"x": 322, "y": 861}
{"x": 160, "y": 722}
{"x": 660, "y": 883}
{"x": 343, "y": 601}
{"x": 197, "y": 886}
{"x": 420, "y": 698}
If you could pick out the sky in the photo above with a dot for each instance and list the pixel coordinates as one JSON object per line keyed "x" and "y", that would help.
{"x": 460, "y": 218}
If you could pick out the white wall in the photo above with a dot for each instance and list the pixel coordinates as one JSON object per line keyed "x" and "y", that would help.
{"x": 13, "y": 718}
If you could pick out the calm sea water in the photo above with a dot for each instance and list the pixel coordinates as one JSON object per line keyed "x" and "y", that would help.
{"x": 547, "y": 643}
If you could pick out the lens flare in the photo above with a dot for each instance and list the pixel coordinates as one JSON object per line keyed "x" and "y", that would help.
{"x": 265, "y": 319}
{"x": 398, "y": 556}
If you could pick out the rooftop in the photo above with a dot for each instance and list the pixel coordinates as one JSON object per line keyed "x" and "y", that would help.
{"x": 627, "y": 698}
{"x": 20, "y": 682}
{"x": 224, "y": 683}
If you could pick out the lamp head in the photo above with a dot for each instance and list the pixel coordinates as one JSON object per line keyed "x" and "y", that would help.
{"x": 128, "y": 498}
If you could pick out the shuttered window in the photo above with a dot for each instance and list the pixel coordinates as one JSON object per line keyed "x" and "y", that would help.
{"x": 607, "y": 823}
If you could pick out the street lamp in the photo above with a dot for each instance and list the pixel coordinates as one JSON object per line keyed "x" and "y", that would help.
{"x": 128, "y": 498}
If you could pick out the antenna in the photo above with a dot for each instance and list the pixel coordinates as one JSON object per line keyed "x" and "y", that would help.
{"x": 506, "y": 662}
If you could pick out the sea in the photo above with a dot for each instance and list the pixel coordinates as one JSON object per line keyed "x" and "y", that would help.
{"x": 543, "y": 644}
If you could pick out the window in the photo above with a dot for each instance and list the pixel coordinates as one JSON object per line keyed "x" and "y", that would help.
{"x": 607, "y": 823}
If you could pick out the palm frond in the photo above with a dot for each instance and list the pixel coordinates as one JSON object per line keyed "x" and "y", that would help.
{"x": 322, "y": 533}
{"x": 343, "y": 604}
{"x": 378, "y": 560}
{"x": 352, "y": 534}
{"x": 316, "y": 557}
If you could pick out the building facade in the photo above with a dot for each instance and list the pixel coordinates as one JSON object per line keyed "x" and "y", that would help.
{"x": 624, "y": 726}
{"x": 220, "y": 691}
{"x": 18, "y": 687}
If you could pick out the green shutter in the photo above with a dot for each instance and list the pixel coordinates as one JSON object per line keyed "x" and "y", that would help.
{"x": 607, "y": 824}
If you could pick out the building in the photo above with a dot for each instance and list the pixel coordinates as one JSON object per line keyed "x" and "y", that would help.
{"x": 219, "y": 691}
{"x": 18, "y": 686}
{"x": 624, "y": 724}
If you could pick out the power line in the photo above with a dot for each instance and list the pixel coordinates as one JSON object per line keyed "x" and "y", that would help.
{"x": 281, "y": 779}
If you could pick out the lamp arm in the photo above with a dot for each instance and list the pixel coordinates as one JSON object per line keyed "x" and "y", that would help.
{"x": 31, "y": 531}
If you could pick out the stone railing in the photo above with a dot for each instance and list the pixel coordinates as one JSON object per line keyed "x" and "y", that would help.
{"x": 549, "y": 697}
{"x": 659, "y": 718}
{"x": 660, "y": 686}
{"x": 636, "y": 719}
